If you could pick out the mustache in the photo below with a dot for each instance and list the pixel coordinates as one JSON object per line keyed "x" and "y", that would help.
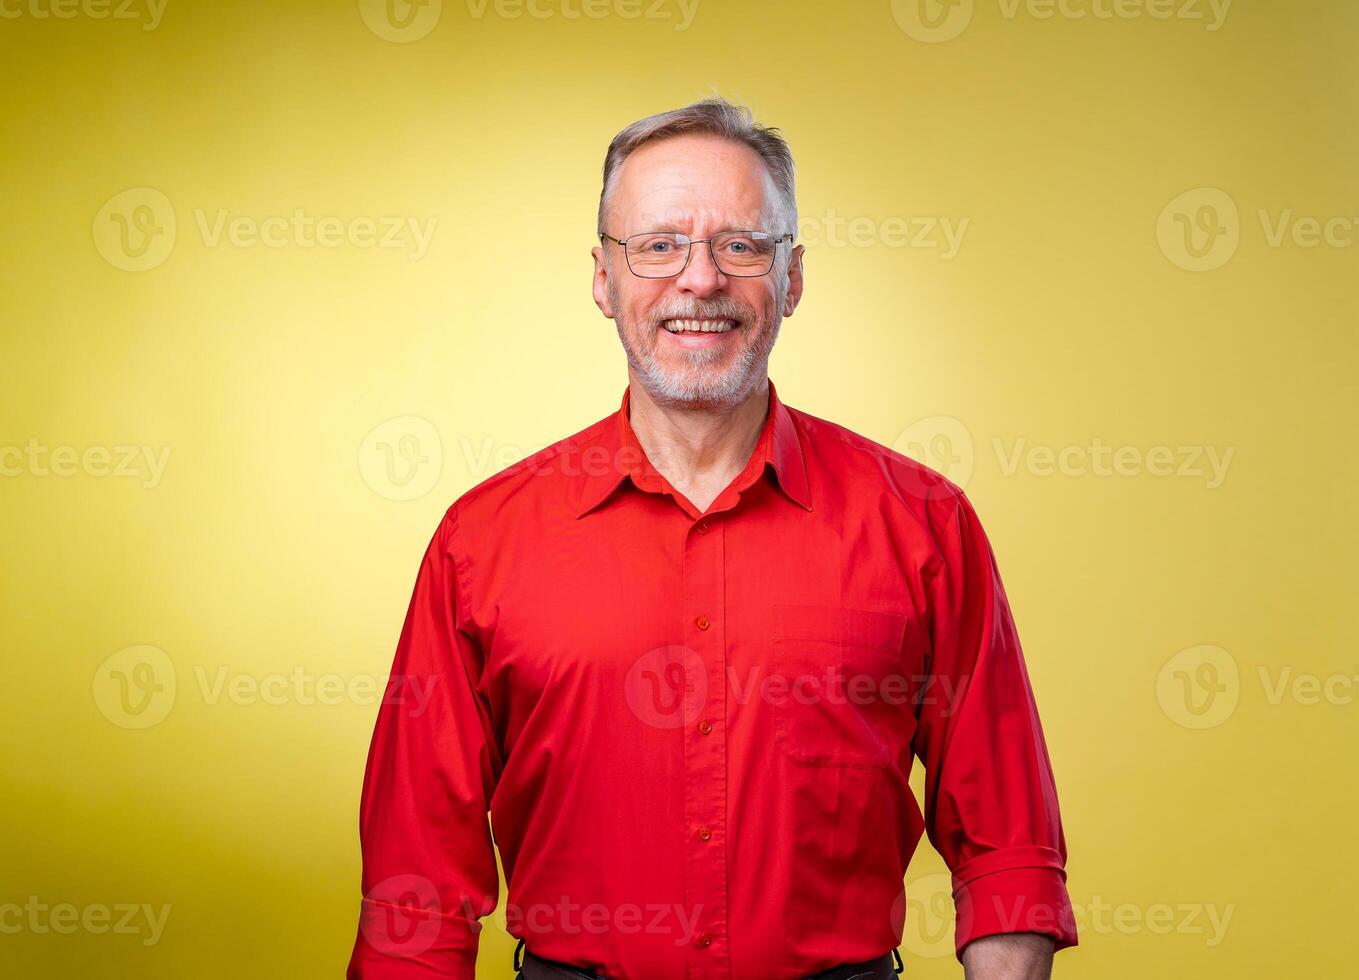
{"x": 720, "y": 308}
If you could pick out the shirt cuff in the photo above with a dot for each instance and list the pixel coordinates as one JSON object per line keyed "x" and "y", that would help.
{"x": 1019, "y": 889}
{"x": 402, "y": 943}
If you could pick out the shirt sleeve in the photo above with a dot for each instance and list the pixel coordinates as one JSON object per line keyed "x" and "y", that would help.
{"x": 990, "y": 799}
{"x": 429, "y": 870}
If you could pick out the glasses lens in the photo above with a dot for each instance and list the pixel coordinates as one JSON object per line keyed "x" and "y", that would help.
{"x": 744, "y": 253}
{"x": 660, "y": 254}
{"x": 657, "y": 254}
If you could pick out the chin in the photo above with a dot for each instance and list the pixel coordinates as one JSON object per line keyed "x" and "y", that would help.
{"x": 724, "y": 389}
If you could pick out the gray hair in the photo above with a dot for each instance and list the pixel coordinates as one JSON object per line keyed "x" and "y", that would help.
{"x": 713, "y": 116}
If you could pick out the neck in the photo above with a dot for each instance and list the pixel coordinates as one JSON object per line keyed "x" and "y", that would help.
{"x": 699, "y": 450}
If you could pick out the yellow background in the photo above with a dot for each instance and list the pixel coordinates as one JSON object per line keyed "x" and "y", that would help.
{"x": 274, "y": 544}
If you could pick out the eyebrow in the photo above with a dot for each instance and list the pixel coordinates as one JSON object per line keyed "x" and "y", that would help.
{"x": 674, "y": 230}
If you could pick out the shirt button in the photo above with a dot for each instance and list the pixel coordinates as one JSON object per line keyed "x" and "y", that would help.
{"x": 705, "y": 726}
{"x": 703, "y": 527}
{"x": 702, "y": 622}
{"x": 704, "y": 833}
{"x": 704, "y": 940}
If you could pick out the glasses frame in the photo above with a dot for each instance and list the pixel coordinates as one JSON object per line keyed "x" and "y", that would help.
{"x": 688, "y": 255}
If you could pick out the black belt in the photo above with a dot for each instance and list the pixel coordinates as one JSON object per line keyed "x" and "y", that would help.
{"x": 884, "y": 967}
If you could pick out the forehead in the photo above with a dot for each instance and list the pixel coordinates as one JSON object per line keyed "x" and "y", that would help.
{"x": 696, "y": 183}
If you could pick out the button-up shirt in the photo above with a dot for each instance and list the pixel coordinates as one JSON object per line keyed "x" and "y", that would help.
{"x": 693, "y": 730}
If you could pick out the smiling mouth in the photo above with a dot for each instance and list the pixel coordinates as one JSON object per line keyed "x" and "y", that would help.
{"x": 698, "y": 326}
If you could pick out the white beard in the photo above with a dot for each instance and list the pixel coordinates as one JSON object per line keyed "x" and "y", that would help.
{"x": 698, "y": 382}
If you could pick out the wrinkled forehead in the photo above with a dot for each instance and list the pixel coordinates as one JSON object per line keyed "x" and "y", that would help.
{"x": 694, "y": 184}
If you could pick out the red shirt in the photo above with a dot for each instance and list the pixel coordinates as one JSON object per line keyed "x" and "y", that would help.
{"x": 693, "y": 731}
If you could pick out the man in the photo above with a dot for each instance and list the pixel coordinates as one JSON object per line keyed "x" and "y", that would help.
{"x": 685, "y": 657}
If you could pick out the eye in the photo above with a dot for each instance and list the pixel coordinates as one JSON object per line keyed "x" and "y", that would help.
{"x": 739, "y": 245}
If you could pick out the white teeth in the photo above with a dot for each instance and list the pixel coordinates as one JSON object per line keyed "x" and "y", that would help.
{"x": 698, "y": 326}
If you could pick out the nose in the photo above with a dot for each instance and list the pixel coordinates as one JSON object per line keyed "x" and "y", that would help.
{"x": 701, "y": 276}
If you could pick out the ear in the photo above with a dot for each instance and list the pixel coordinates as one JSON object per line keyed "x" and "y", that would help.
{"x": 794, "y": 295}
{"x": 601, "y": 282}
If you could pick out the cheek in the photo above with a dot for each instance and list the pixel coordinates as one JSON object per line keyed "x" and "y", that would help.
{"x": 759, "y": 294}
{"x": 639, "y": 301}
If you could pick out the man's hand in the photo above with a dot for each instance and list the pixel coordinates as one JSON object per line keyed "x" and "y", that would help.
{"x": 1012, "y": 956}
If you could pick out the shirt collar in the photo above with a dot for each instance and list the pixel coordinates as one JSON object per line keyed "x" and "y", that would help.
{"x": 617, "y": 454}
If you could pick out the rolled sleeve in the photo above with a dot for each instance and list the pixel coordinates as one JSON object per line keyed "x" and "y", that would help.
{"x": 991, "y": 807}
{"x": 1019, "y": 889}
{"x": 429, "y": 870}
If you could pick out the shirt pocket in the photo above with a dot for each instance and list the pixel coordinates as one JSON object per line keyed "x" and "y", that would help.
{"x": 837, "y": 684}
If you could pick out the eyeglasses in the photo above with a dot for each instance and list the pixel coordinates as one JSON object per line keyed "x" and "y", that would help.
{"x": 662, "y": 254}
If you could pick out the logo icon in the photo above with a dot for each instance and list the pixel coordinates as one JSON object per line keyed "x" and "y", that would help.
{"x": 932, "y": 21}
{"x": 135, "y": 687}
{"x": 941, "y": 443}
{"x": 928, "y": 929}
{"x": 1200, "y": 229}
{"x": 402, "y": 459}
{"x": 1199, "y": 687}
{"x": 135, "y": 229}
{"x": 401, "y": 917}
{"x": 667, "y": 687}
{"x": 401, "y": 21}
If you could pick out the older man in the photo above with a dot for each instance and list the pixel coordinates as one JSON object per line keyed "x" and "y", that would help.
{"x": 685, "y": 657}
